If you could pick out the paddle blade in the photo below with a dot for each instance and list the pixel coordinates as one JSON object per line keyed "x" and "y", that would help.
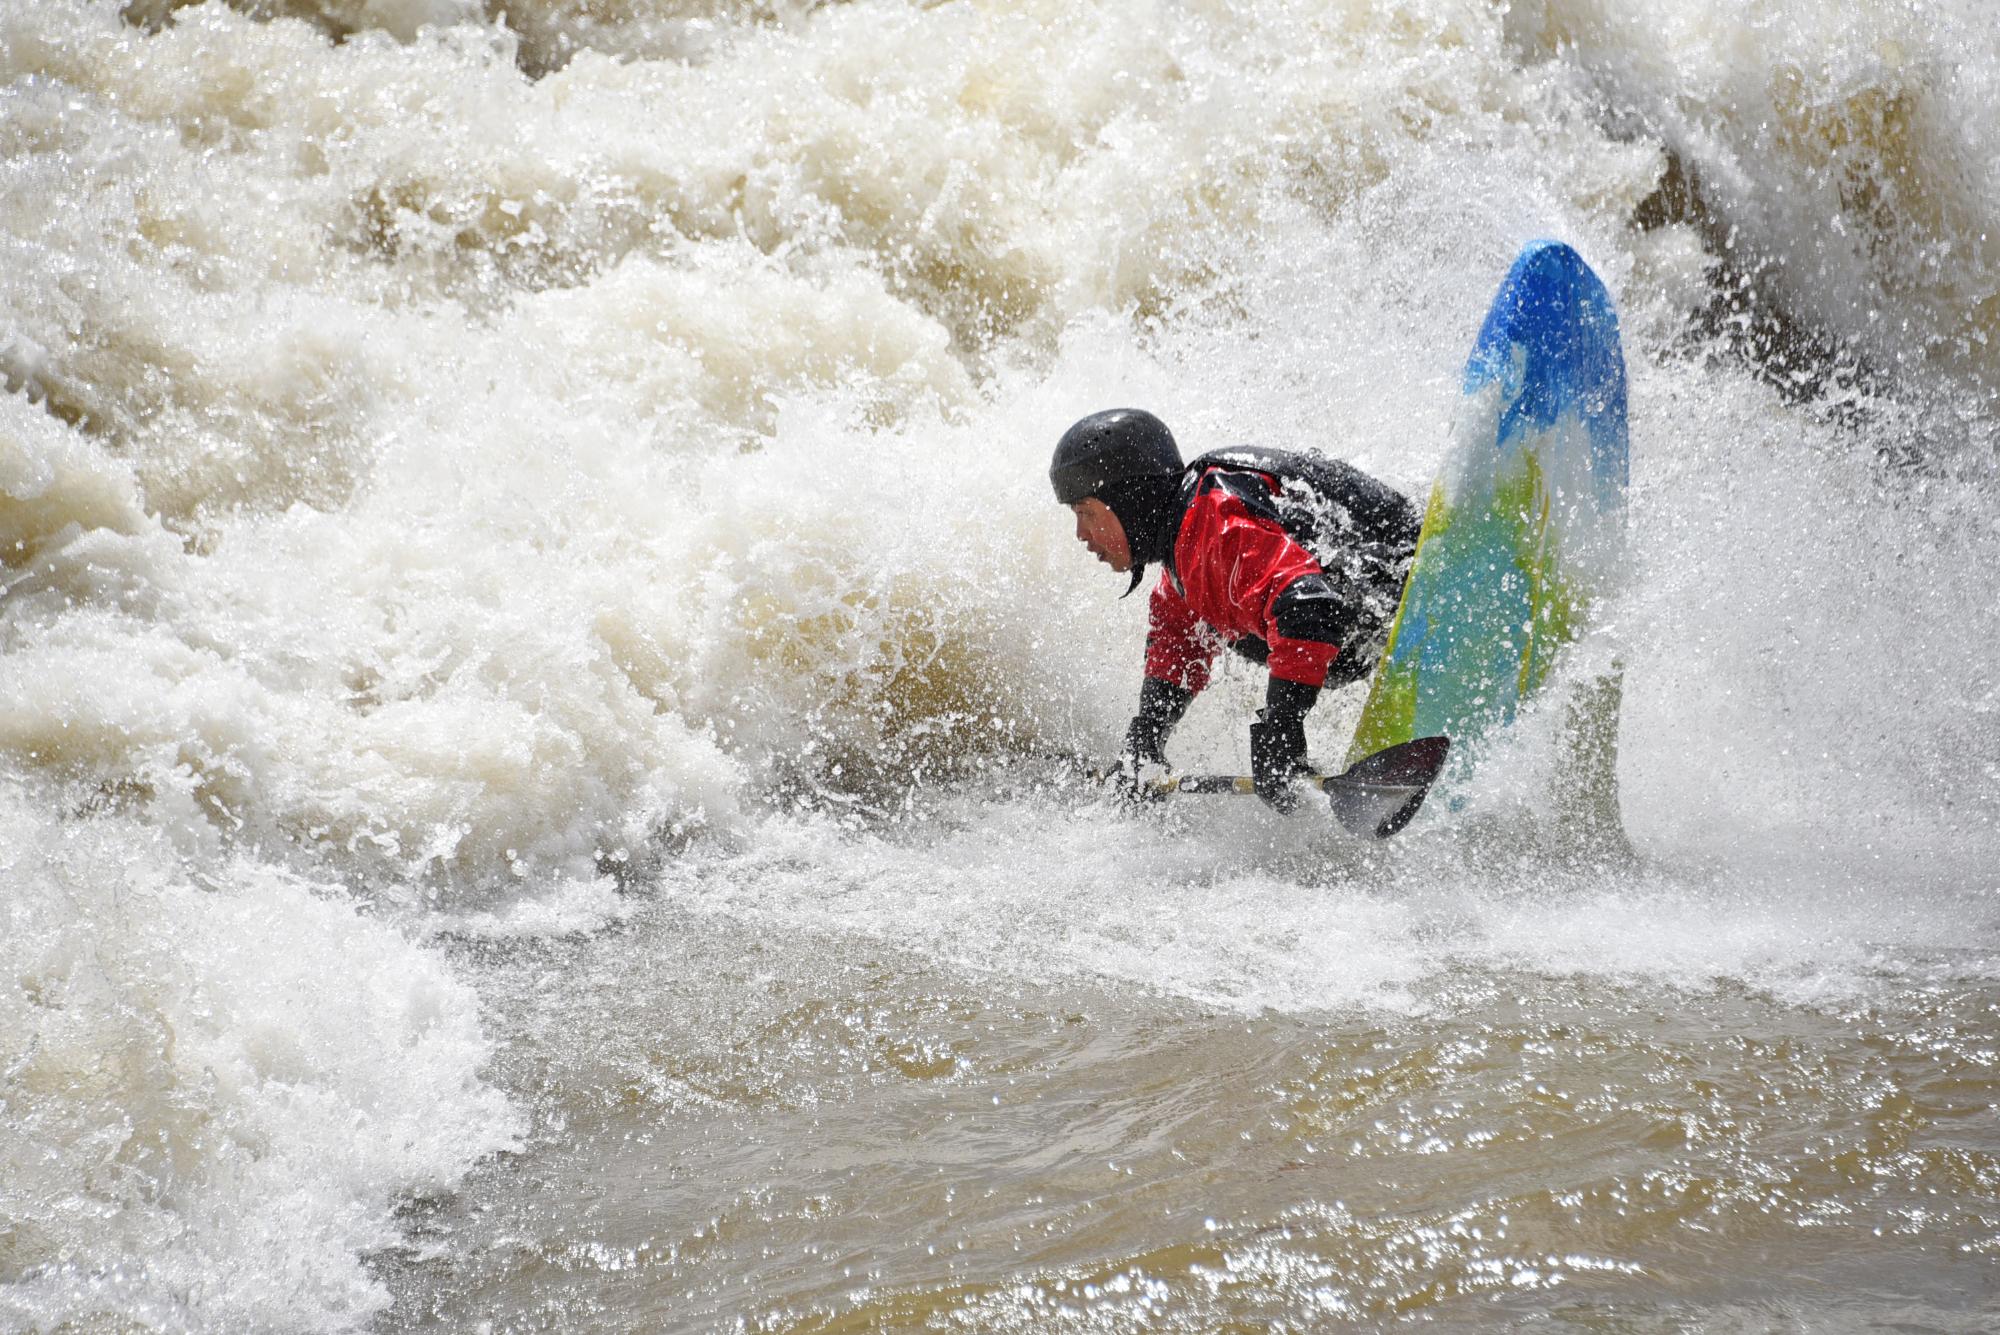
{"x": 1380, "y": 794}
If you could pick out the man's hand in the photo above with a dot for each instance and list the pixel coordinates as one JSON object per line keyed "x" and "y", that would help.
{"x": 1137, "y": 778}
{"x": 1278, "y": 742}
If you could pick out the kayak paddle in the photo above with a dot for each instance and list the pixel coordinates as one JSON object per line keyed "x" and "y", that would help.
{"x": 1377, "y": 795}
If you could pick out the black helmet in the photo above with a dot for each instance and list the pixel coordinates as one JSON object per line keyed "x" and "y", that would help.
{"x": 1117, "y": 445}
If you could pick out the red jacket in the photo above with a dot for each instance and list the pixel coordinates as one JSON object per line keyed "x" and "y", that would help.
{"x": 1231, "y": 566}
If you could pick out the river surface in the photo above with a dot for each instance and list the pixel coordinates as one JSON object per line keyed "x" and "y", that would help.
{"x": 536, "y": 658}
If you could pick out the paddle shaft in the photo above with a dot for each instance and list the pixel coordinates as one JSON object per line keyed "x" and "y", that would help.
{"x": 1247, "y": 786}
{"x": 1220, "y": 783}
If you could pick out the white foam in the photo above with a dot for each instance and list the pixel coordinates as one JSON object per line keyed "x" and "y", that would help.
{"x": 1857, "y": 145}
{"x": 1206, "y": 906}
{"x": 218, "y": 1081}
{"x": 424, "y": 487}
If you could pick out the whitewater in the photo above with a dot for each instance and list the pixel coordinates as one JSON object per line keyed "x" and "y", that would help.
{"x": 536, "y": 657}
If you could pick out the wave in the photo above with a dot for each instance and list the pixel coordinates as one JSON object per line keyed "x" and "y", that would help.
{"x": 463, "y": 464}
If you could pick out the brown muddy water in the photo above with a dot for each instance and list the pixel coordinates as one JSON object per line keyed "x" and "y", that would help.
{"x": 531, "y": 610}
{"x": 794, "y": 1131}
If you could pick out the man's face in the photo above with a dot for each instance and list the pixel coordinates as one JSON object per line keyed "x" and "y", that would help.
{"x": 1098, "y": 529}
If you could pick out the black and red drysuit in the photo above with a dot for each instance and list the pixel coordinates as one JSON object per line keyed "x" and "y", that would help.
{"x": 1292, "y": 560}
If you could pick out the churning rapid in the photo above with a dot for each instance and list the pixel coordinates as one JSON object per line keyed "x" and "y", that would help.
{"x": 534, "y": 629}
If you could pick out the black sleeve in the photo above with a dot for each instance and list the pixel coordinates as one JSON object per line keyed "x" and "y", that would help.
{"x": 1287, "y": 702}
{"x": 1161, "y": 704}
{"x": 1310, "y": 608}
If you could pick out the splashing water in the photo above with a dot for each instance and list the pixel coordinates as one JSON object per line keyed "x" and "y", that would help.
{"x": 532, "y": 620}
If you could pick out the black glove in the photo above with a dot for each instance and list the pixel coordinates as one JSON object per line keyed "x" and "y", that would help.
{"x": 1278, "y": 741}
{"x": 1161, "y": 704}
